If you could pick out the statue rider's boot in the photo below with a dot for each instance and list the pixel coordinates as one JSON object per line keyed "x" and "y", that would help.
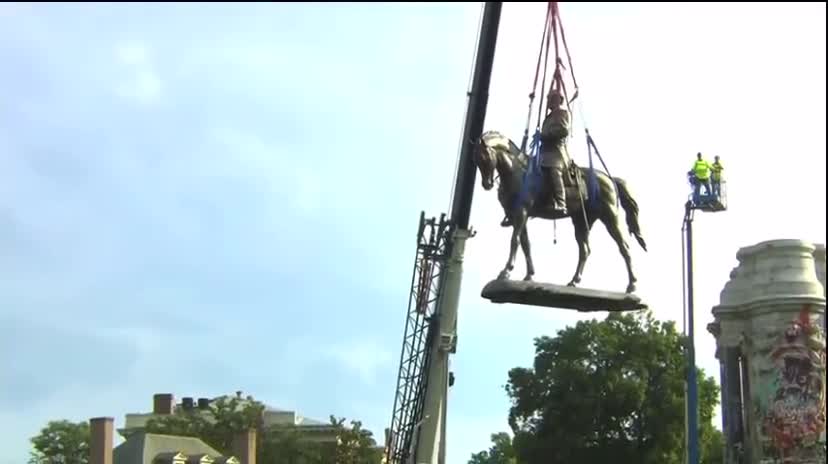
{"x": 558, "y": 191}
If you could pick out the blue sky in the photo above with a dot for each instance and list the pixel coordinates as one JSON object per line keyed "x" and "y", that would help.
{"x": 200, "y": 200}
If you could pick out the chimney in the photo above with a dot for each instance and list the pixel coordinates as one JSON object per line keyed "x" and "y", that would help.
{"x": 203, "y": 403}
{"x": 101, "y": 439}
{"x": 187, "y": 403}
{"x": 389, "y": 440}
{"x": 163, "y": 403}
{"x": 244, "y": 446}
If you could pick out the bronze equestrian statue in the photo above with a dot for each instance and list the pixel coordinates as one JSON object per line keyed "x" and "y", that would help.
{"x": 563, "y": 193}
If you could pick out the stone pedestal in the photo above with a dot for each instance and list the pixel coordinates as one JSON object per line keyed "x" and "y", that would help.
{"x": 770, "y": 334}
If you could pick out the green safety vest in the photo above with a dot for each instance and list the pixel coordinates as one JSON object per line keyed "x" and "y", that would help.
{"x": 717, "y": 170}
{"x": 701, "y": 169}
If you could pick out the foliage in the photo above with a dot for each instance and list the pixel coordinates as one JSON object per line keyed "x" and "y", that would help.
{"x": 284, "y": 444}
{"x": 607, "y": 391}
{"x": 228, "y": 415}
{"x": 277, "y": 444}
{"x": 355, "y": 444}
{"x": 61, "y": 442}
{"x": 66, "y": 443}
{"x": 712, "y": 447}
{"x": 501, "y": 451}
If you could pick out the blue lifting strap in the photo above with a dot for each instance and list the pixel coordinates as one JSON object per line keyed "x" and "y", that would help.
{"x": 593, "y": 178}
{"x": 532, "y": 175}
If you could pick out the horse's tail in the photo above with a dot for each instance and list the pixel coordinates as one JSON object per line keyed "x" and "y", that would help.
{"x": 631, "y": 209}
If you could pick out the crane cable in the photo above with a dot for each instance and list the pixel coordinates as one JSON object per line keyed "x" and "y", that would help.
{"x": 552, "y": 26}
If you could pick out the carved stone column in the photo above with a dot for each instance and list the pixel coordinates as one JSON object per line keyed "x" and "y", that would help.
{"x": 770, "y": 321}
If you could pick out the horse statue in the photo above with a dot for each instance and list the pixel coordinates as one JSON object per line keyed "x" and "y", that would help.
{"x": 495, "y": 153}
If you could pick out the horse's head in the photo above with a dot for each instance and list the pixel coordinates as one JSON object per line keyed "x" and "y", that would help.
{"x": 485, "y": 158}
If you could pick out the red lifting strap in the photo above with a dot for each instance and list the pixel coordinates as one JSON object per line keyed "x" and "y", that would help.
{"x": 557, "y": 77}
{"x": 566, "y": 49}
{"x": 552, "y": 26}
{"x": 553, "y": 30}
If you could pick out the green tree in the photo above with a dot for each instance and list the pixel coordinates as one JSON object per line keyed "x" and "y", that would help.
{"x": 61, "y": 442}
{"x": 607, "y": 391}
{"x": 713, "y": 447}
{"x": 225, "y": 417}
{"x": 276, "y": 444}
{"x": 355, "y": 445}
{"x": 501, "y": 451}
{"x": 285, "y": 444}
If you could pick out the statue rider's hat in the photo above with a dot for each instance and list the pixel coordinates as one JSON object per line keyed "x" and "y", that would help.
{"x": 555, "y": 91}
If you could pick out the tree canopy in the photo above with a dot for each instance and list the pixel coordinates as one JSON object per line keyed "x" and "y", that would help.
{"x": 61, "y": 442}
{"x": 604, "y": 391}
{"x": 276, "y": 444}
{"x": 501, "y": 451}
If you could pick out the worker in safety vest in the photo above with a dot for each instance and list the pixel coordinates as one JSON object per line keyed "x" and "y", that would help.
{"x": 554, "y": 155}
{"x": 701, "y": 175}
{"x": 716, "y": 176}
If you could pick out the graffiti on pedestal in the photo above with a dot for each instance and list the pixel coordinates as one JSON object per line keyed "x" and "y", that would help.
{"x": 793, "y": 408}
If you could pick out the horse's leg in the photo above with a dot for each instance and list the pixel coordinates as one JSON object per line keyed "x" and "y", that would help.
{"x": 582, "y": 237}
{"x": 518, "y": 223}
{"x": 527, "y": 251}
{"x": 611, "y": 222}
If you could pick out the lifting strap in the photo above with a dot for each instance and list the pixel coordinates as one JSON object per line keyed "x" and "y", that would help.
{"x": 544, "y": 41}
{"x": 552, "y": 26}
{"x": 532, "y": 175}
{"x": 592, "y": 182}
{"x": 550, "y": 33}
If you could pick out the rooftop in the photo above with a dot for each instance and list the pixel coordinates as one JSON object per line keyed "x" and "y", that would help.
{"x": 149, "y": 448}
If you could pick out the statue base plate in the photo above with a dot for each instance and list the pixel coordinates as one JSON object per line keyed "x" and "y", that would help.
{"x": 559, "y": 296}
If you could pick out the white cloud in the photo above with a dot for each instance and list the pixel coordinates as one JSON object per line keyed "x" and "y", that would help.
{"x": 143, "y": 85}
{"x": 364, "y": 358}
{"x": 133, "y": 54}
{"x": 309, "y": 189}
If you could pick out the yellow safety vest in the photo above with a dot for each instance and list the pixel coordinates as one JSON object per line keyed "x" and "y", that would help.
{"x": 701, "y": 169}
{"x": 717, "y": 169}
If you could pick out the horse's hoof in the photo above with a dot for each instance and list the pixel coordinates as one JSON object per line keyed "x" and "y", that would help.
{"x": 528, "y": 278}
{"x": 504, "y": 275}
{"x": 631, "y": 288}
{"x": 572, "y": 284}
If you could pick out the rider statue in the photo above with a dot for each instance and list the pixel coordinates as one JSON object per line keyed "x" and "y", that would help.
{"x": 554, "y": 155}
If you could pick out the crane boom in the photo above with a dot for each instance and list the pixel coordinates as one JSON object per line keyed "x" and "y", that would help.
{"x": 418, "y": 427}
{"x": 431, "y": 444}
{"x": 475, "y": 114}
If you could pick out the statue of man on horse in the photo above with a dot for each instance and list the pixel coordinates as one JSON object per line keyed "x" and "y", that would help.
{"x": 500, "y": 161}
{"x": 547, "y": 184}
